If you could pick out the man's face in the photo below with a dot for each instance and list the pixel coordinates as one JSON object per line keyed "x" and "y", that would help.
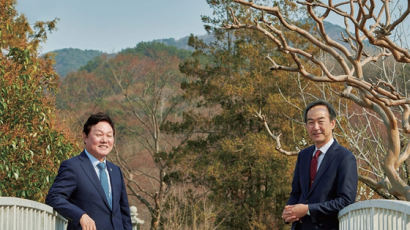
{"x": 100, "y": 140}
{"x": 319, "y": 125}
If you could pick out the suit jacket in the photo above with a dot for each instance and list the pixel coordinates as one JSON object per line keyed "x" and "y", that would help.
{"x": 77, "y": 190}
{"x": 333, "y": 189}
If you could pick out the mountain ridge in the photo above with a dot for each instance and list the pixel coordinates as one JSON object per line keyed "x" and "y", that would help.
{"x": 72, "y": 59}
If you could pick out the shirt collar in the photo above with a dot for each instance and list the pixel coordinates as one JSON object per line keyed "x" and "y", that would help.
{"x": 325, "y": 147}
{"x": 94, "y": 161}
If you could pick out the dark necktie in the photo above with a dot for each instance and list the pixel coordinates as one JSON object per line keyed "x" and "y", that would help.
{"x": 104, "y": 182}
{"x": 313, "y": 166}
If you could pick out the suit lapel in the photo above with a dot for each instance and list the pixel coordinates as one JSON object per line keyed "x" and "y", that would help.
{"x": 92, "y": 176}
{"x": 329, "y": 156}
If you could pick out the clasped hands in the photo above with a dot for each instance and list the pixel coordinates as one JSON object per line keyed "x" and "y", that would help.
{"x": 292, "y": 213}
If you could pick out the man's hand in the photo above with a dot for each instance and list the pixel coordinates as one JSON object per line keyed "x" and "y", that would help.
{"x": 87, "y": 223}
{"x": 292, "y": 213}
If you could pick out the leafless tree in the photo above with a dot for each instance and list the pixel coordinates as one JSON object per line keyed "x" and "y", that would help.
{"x": 368, "y": 38}
{"x": 149, "y": 100}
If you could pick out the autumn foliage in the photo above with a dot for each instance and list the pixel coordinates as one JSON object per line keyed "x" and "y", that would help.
{"x": 31, "y": 147}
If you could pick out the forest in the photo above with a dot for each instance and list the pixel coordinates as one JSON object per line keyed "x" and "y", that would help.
{"x": 207, "y": 137}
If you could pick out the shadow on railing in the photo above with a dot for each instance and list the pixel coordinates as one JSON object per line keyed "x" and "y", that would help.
{"x": 376, "y": 215}
{"x": 19, "y": 214}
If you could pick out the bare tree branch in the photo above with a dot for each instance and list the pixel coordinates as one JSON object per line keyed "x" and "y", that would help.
{"x": 275, "y": 137}
{"x": 382, "y": 95}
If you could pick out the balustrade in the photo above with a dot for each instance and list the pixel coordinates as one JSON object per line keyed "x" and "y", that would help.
{"x": 22, "y": 214}
{"x": 376, "y": 215}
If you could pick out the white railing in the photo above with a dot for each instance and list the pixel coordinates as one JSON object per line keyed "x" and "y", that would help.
{"x": 21, "y": 214}
{"x": 376, "y": 215}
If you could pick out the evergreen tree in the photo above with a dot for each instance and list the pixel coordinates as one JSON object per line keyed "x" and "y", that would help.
{"x": 232, "y": 155}
{"x": 31, "y": 147}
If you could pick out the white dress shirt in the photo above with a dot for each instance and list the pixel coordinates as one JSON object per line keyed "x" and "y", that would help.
{"x": 322, "y": 149}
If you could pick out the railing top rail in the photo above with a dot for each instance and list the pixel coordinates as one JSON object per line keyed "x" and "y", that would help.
{"x": 396, "y": 205}
{"x": 14, "y": 201}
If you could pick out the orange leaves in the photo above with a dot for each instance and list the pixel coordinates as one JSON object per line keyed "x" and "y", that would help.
{"x": 16, "y": 32}
{"x": 30, "y": 148}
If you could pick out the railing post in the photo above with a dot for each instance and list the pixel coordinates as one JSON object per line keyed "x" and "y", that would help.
{"x": 136, "y": 222}
{"x": 372, "y": 218}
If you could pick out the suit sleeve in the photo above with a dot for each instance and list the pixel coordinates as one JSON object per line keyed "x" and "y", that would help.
{"x": 124, "y": 206}
{"x": 60, "y": 192}
{"x": 345, "y": 192}
{"x": 296, "y": 189}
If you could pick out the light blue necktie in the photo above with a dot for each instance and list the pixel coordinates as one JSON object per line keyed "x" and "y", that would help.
{"x": 104, "y": 182}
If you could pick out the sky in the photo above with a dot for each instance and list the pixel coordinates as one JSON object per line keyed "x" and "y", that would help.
{"x": 112, "y": 25}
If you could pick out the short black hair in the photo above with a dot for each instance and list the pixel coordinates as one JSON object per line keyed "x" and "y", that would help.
{"x": 330, "y": 109}
{"x": 94, "y": 119}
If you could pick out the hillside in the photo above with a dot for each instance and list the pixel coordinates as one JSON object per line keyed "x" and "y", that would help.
{"x": 182, "y": 43}
{"x": 334, "y": 31}
{"x": 70, "y": 59}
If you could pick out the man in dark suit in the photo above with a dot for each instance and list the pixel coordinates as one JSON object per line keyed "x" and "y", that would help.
{"x": 325, "y": 177}
{"x": 89, "y": 190}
